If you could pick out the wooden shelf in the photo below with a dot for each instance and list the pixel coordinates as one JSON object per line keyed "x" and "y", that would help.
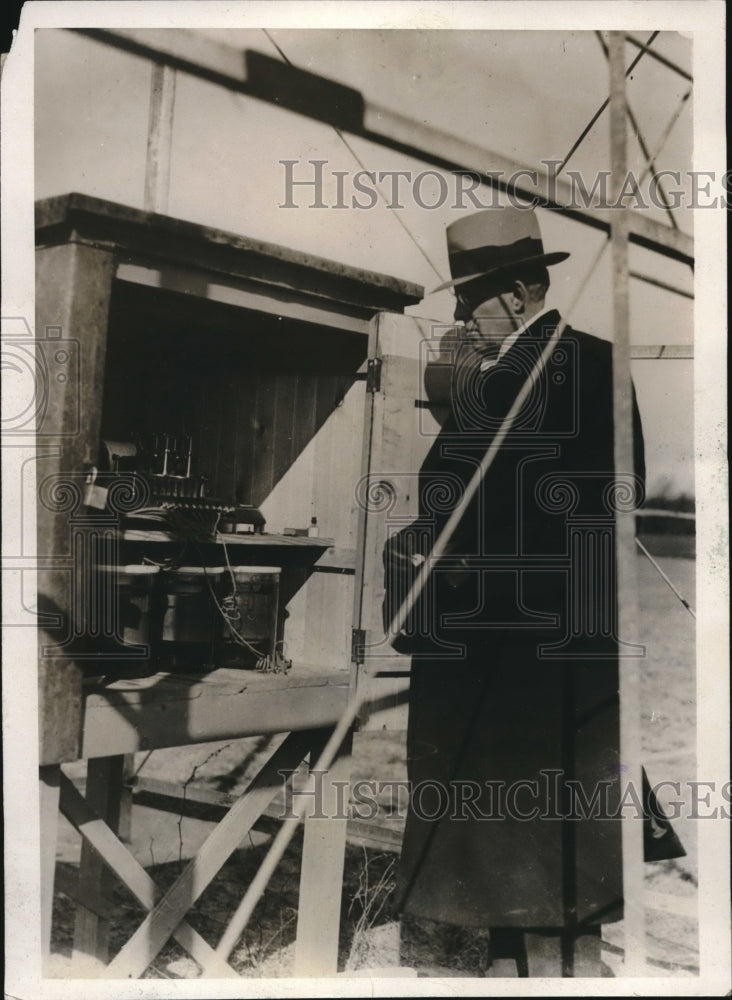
{"x": 280, "y": 541}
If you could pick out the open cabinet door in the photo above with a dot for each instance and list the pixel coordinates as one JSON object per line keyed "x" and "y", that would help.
{"x": 401, "y": 424}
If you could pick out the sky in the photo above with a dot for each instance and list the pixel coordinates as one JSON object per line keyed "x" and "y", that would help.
{"x": 524, "y": 95}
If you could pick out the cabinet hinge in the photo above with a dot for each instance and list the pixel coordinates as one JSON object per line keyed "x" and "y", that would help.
{"x": 358, "y": 643}
{"x": 373, "y": 375}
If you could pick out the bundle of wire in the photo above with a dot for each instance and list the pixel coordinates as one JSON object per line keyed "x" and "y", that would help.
{"x": 229, "y": 610}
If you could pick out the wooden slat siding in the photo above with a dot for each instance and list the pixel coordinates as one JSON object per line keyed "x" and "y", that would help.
{"x": 401, "y": 435}
{"x": 245, "y": 396}
{"x": 285, "y": 387}
{"x": 103, "y": 793}
{"x": 289, "y": 503}
{"x": 206, "y": 434}
{"x": 157, "y": 927}
{"x": 264, "y": 450}
{"x": 295, "y": 631}
{"x": 321, "y": 874}
{"x": 118, "y": 859}
{"x": 316, "y": 625}
{"x": 227, "y": 436}
{"x": 73, "y": 292}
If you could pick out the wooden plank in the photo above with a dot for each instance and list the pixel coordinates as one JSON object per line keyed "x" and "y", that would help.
{"x": 158, "y": 238}
{"x": 159, "y": 138}
{"x": 116, "y": 856}
{"x": 160, "y": 923}
{"x": 336, "y": 559}
{"x": 207, "y": 803}
{"x": 103, "y": 793}
{"x": 256, "y": 540}
{"x": 321, "y": 874}
{"x": 183, "y": 710}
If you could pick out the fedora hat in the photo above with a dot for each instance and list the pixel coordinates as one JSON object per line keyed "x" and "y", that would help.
{"x": 492, "y": 241}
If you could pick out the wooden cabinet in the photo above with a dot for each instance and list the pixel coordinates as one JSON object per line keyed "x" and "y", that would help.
{"x": 257, "y": 352}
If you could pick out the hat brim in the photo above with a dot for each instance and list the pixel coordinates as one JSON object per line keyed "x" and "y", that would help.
{"x": 543, "y": 258}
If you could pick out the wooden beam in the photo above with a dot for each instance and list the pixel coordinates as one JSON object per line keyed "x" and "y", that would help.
{"x": 159, "y": 138}
{"x": 103, "y": 793}
{"x": 159, "y": 240}
{"x": 49, "y": 799}
{"x": 627, "y": 584}
{"x": 168, "y": 710}
{"x": 74, "y": 285}
{"x": 321, "y": 874}
{"x": 226, "y": 66}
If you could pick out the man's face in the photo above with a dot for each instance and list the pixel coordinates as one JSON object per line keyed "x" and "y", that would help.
{"x": 488, "y": 323}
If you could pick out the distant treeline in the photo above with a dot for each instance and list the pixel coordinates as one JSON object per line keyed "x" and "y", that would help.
{"x": 672, "y": 530}
{"x": 681, "y": 502}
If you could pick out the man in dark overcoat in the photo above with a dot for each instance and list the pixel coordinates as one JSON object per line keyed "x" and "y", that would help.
{"x": 513, "y": 732}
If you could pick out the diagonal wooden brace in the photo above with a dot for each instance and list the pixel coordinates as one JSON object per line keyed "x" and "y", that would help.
{"x": 163, "y": 919}
{"x": 116, "y": 856}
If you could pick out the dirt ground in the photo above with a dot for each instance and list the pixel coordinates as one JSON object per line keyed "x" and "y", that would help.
{"x": 370, "y": 935}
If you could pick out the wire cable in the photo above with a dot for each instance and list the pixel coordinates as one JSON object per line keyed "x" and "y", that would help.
{"x": 577, "y": 143}
{"x": 665, "y": 578}
{"x": 363, "y": 167}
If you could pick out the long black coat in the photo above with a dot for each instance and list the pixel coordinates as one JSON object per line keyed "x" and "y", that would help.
{"x": 515, "y": 672}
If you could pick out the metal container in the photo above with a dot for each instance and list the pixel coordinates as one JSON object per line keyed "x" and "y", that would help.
{"x": 190, "y": 615}
{"x": 249, "y": 596}
{"x": 120, "y": 619}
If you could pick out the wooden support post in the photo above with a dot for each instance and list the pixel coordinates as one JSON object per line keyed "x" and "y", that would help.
{"x": 321, "y": 875}
{"x": 103, "y": 791}
{"x": 159, "y": 138}
{"x": 74, "y": 287}
{"x": 630, "y": 717}
{"x": 124, "y": 824}
{"x": 49, "y": 796}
